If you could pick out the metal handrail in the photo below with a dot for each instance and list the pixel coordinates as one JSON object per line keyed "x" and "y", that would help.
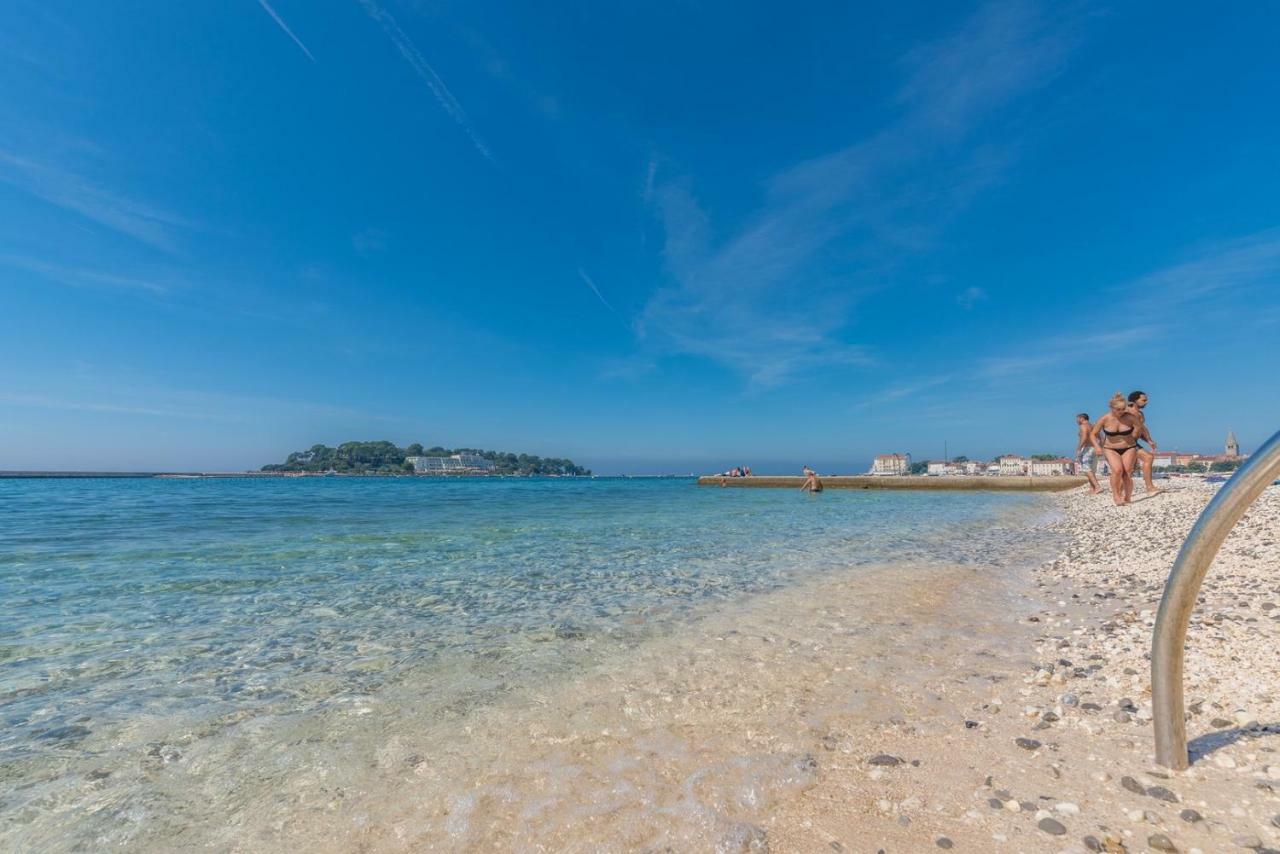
{"x": 1182, "y": 588}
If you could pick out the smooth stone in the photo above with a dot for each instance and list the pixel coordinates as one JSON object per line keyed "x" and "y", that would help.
{"x": 995, "y": 803}
{"x": 1132, "y": 785}
{"x": 1220, "y": 723}
{"x": 1092, "y": 843}
{"x": 943, "y": 842}
{"x": 884, "y": 760}
{"x": 1052, "y": 826}
{"x": 1190, "y": 815}
{"x": 1160, "y": 842}
{"x": 1247, "y": 841}
{"x": 1163, "y": 794}
{"x": 1068, "y": 809}
{"x": 1027, "y": 743}
{"x": 1120, "y": 717}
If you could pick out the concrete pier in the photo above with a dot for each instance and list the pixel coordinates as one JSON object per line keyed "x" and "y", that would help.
{"x": 1019, "y": 483}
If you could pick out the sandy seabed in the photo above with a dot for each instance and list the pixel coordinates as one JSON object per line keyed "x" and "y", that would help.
{"x": 945, "y": 708}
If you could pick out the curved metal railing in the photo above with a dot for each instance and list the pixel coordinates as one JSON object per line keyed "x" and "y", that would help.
{"x": 1182, "y": 588}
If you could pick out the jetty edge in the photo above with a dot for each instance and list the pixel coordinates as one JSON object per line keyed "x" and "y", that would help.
{"x": 1002, "y": 483}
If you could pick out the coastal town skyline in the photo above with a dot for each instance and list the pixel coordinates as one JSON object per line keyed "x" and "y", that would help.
{"x": 778, "y": 240}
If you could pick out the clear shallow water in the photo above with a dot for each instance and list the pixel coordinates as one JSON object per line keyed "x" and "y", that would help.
{"x": 157, "y": 628}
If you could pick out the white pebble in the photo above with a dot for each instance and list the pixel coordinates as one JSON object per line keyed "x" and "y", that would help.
{"x": 1068, "y": 809}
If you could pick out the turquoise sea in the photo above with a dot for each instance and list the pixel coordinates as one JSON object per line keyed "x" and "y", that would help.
{"x": 190, "y": 662}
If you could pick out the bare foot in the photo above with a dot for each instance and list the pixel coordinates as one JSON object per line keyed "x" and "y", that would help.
{"x": 1095, "y": 492}
{"x": 1154, "y": 491}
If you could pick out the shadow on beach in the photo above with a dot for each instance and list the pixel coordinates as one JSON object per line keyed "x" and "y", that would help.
{"x": 1202, "y": 746}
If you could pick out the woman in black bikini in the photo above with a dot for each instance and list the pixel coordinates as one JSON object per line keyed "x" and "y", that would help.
{"x": 1119, "y": 445}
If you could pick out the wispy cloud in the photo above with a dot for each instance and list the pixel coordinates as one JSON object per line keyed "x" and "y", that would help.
{"x": 765, "y": 300}
{"x": 272, "y": 12}
{"x": 85, "y": 277}
{"x": 423, "y": 69}
{"x": 157, "y": 402}
{"x": 46, "y": 402}
{"x": 142, "y": 221}
{"x": 970, "y": 297}
{"x": 1236, "y": 266}
{"x": 650, "y": 174}
{"x": 1059, "y": 352}
{"x": 595, "y": 290}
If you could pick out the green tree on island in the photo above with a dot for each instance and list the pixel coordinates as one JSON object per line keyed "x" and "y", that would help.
{"x": 383, "y": 457}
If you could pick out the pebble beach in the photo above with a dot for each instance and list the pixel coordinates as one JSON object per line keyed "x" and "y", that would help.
{"x": 1049, "y": 745}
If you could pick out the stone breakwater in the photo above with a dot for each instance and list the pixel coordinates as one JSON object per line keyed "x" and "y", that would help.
{"x": 1049, "y": 744}
{"x": 1046, "y": 483}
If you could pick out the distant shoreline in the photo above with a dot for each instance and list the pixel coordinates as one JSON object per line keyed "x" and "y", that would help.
{"x": 257, "y": 475}
{"x": 274, "y": 475}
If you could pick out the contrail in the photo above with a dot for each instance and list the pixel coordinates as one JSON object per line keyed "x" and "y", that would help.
{"x": 424, "y": 70}
{"x": 595, "y": 290}
{"x": 272, "y": 12}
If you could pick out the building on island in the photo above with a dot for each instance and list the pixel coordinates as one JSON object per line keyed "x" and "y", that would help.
{"x": 891, "y": 464}
{"x": 1233, "y": 447}
{"x": 454, "y": 464}
{"x": 939, "y": 467}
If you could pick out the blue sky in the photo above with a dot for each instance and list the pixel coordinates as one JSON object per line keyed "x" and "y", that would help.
{"x": 651, "y": 238}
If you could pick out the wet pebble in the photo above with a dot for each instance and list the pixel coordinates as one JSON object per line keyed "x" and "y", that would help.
{"x": 1190, "y": 815}
{"x": 1052, "y": 826}
{"x": 944, "y": 842}
{"x": 1027, "y": 743}
{"x": 1160, "y": 842}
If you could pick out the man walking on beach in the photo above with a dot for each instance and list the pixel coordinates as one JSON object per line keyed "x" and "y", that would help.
{"x": 1137, "y": 403}
{"x": 1086, "y": 456}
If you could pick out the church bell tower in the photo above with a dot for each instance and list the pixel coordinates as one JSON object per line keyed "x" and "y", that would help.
{"x": 1233, "y": 447}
